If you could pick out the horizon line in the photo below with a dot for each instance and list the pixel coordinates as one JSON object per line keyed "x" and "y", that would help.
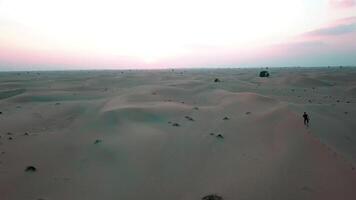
{"x": 169, "y": 68}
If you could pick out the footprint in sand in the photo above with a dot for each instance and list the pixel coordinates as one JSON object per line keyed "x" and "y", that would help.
{"x": 307, "y": 189}
{"x": 189, "y": 118}
{"x": 97, "y": 141}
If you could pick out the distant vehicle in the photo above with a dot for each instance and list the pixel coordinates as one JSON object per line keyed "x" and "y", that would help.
{"x": 264, "y": 74}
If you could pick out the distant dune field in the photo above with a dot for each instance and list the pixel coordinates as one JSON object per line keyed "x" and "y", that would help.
{"x": 178, "y": 134}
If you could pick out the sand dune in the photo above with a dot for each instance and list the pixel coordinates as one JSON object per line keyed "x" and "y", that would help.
{"x": 351, "y": 91}
{"x": 178, "y": 134}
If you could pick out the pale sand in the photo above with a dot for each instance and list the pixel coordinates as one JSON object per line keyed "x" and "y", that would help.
{"x": 110, "y": 135}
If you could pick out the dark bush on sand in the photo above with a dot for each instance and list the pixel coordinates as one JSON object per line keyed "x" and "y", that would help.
{"x": 264, "y": 74}
{"x": 30, "y": 169}
{"x": 212, "y": 197}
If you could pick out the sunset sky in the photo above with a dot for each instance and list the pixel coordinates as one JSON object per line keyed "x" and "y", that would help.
{"x": 117, "y": 34}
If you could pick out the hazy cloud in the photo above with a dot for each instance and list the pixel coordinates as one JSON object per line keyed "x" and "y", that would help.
{"x": 342, "y": 3}
{"x": 339, "y": 28}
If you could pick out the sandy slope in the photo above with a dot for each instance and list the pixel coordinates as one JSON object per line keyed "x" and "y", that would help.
{"x": 265, "y": 153}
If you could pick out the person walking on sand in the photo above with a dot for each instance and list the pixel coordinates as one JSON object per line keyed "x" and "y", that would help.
{"x": 306, "y": 119}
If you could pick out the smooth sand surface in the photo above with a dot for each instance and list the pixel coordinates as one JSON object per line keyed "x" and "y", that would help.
{"x": 153, "y": 134}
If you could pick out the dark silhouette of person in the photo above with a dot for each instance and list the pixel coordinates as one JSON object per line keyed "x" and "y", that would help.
{"x": 306, "y": 119}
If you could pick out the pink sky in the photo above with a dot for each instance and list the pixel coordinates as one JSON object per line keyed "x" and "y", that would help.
{"x": 176, "y": 34}
{"x": 342, "y": 3}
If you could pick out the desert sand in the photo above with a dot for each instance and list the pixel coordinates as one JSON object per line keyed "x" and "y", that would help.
{"x": 178, "y": 134}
